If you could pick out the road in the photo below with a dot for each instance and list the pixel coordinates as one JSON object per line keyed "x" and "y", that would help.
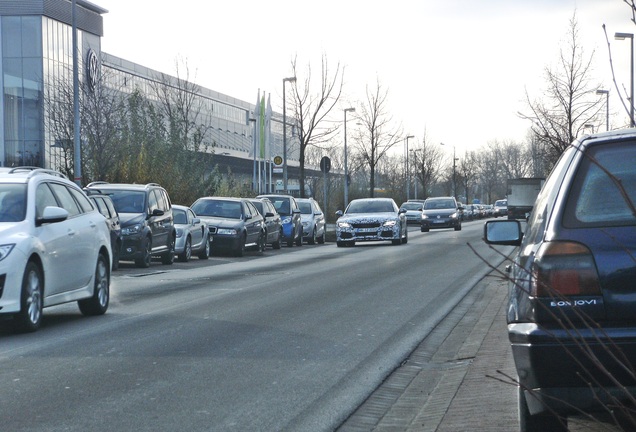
{"x": 294, "y": 339}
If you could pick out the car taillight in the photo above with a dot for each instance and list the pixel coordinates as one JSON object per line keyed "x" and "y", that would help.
{"x": 564, "y": 269}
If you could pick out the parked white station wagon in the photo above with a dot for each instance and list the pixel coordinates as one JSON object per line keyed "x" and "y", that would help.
{"x": 54, "y": 247}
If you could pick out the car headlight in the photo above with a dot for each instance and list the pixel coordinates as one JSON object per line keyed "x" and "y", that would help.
{"x": 130, "y": 230}
{"x": 453, "y": 216}
{"x": 344, "y": 225}
{"x": 305, "y": 224}
{"x": 5, "y": 250}
{"x": 287, "y": 219}
{"x": 390, "y": 223}
{"x": 226, "y": 231}
{"x": 424, "y": 216}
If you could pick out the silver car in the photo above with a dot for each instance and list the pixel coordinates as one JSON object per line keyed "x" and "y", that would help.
{"x": 313, "y": 221}
{"x": 193, "y": 235}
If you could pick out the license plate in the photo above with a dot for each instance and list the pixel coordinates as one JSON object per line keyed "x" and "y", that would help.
{"x": 366, "y": 230}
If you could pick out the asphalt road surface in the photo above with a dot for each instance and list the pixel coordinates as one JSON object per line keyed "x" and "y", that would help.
{"x": 293, "y": 340}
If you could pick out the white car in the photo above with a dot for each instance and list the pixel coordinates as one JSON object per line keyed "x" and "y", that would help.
{"x": 371, "y": 219}
{"x": 54, "y": 247}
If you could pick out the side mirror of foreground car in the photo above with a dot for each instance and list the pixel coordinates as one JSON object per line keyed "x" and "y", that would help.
{"x": 339, "y": 213}
{"x": 506, "y": 232}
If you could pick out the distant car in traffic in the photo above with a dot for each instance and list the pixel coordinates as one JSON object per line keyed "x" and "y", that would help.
{"x": 500, "y": 208}
{"x": 413, "y": 212}
{"x": 234, "y": 223}
{"x": 313, "y": 221}
{"x": 371, "y": 219}
{"x": 193, "y": 235}
{"x": 441, "y": 212}
{"x": 572, "y": 297}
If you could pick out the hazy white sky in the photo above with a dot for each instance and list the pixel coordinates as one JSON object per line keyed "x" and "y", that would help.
{"x": 458, "y": 69}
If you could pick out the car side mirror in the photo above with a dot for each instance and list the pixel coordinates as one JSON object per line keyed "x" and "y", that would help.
{"x": 401, "y": 211}
{"x": 507, "y": 232}
{"x": 157, "y": 212}
{"x": 339, "y": 213}
{"x": 196, "y": 221}
{"x": 269, "y": 214}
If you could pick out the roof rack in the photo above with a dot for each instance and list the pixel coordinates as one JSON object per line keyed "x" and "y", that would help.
{"x": 37, "y": 170}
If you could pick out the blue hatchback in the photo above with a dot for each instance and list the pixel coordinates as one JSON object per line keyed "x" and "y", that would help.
{"x": 289, "y": 211}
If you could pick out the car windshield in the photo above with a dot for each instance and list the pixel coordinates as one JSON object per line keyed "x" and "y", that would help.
{"x": 370, "y": 207}
{"x": 180, "y": 216}
{"x": 501, "y": 203}
{"x": 128, "y": 201}
{"x": 439, "y": 204}
{"x": 12, "y": 202}
{"x": 218, "y": 208}
{"x": 305, "y": 207}
{"x": 281, "y": 205}
{"x": 412, "y": 206}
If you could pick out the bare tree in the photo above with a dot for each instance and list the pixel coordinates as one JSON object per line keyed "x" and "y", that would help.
{"x": 428, "y": 159}
{"x": 569, "y": 102}
{"x": 376, "y": 134}
{"x": 311, "y": 110}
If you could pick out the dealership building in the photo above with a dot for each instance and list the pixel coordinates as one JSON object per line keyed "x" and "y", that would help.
{"x": 37, "y": 52}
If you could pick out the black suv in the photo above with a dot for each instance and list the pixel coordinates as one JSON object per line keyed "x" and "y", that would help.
{"x": 147, "y": 225}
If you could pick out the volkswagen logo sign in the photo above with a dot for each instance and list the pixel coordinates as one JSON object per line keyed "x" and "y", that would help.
{"x": 92, "y": 69}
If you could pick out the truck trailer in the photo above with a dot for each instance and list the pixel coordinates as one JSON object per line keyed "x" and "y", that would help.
{"x": 522, "y": 192}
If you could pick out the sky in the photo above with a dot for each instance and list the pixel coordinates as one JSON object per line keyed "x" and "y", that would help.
{"x": 456, "y": 71}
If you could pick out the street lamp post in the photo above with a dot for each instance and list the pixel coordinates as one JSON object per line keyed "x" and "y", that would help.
{"x": 346, "y": 171}
{"x": 454, "y": 173}
{"x": 290, "y": 79}
{"x": 630, "y": 36}
{"x": 408, "y": 173}
{"x": 414, "y": 151}
{"x": 606, "y": 93}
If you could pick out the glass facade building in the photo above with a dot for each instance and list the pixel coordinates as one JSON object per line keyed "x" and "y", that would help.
{"x": 37, "y": 42}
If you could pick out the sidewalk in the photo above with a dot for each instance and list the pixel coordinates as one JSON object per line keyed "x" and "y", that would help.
{"x": 444, "y": 385}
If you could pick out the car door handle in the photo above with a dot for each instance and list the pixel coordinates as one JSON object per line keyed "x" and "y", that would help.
{"x": 70, "y": 233}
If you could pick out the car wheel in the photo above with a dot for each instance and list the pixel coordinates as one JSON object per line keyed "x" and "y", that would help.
{"x": 322, "y": 238}
{"x": 313, "y": 239}
{"x": 396, "y": 241}
{"x": 97, "y": 304}
{"x": 30, "y": 316}
{"x": 187, "y": 251}
{"x": 538, "y": 422}
{"x": 262, "y": 242}
{"x": 340, "y": 244}
{"x": 205, "y": 254}
{"x": 276, "y": 244}
{"x": 405, "y": 240}
{"x": 144, "y": 261}
{"x": 240, "y": 250}
{"x": 424, "y": 229}
{"x": 458, "y": 227}
{"x": 168, "y": 257}
{"x": 299, "y": 239}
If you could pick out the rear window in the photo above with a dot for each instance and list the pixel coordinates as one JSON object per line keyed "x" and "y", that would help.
{"x": 603, "y": 192}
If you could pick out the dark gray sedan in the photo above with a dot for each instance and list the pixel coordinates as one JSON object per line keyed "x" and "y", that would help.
{"x": 234, "y": 223}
